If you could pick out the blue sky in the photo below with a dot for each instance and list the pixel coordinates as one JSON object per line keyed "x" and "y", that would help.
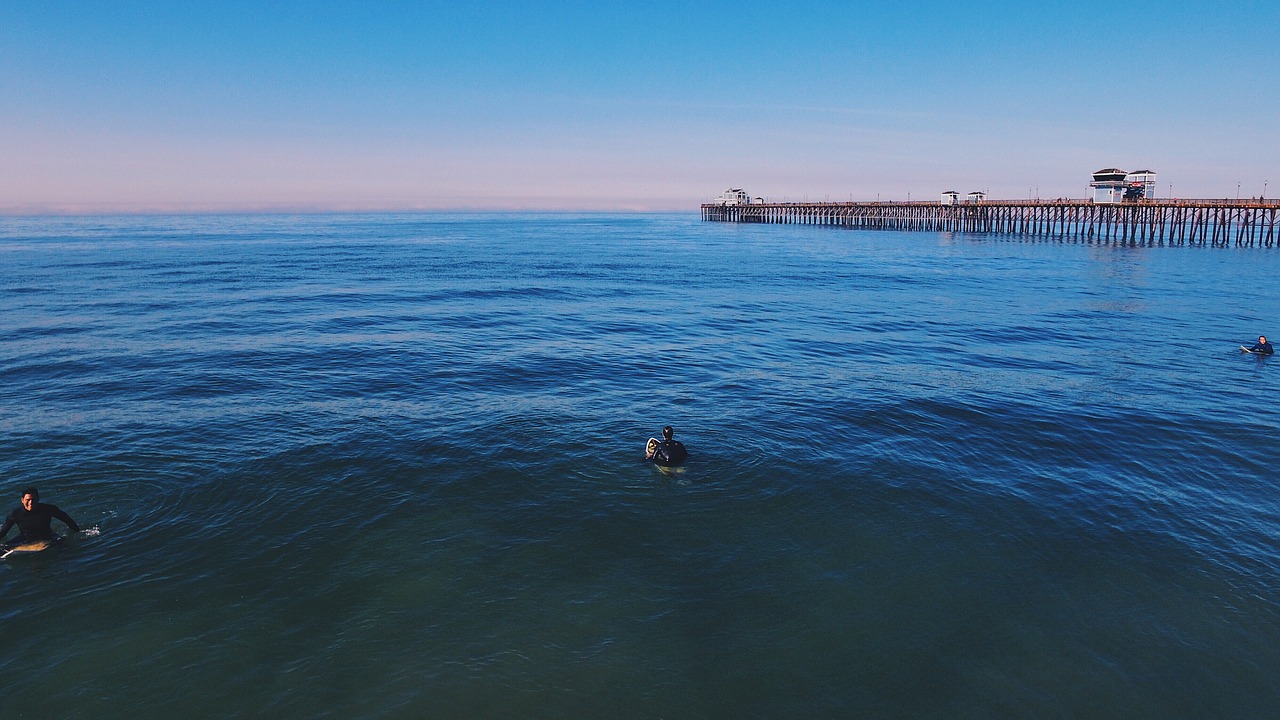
{"x": 203, "y": 106}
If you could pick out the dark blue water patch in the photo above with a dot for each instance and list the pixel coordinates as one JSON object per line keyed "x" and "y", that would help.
{"x": 35, "y": 333}
{"x": 51, "y": 374}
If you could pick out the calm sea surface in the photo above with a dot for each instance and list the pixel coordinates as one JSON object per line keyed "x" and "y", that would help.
{"x": 390, "y": 467}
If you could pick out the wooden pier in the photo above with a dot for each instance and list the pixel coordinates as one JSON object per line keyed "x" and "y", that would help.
{"x": 1218, "y": 223}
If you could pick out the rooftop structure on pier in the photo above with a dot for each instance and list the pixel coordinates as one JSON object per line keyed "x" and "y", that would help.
{"x": 734, "y": 196}
{"x": 1143, "y": 181}
{"x": 1113, "y": 185}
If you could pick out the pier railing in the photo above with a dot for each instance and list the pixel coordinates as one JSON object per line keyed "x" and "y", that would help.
{"x": 1155, "y": 222}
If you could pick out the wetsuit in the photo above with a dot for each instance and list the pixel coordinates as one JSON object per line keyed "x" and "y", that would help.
{"x": 669, "y": 452}
{"x": 33, "y": 524}
{"x": 1264, "y": 348}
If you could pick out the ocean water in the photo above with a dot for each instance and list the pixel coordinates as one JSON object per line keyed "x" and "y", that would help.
{"x": 390, "y": 466}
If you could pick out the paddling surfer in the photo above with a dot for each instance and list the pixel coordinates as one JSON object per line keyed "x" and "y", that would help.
{"x": 1262, "y": 347}
{"x": 33, "y": 520}
{"x": 667, "y": 451}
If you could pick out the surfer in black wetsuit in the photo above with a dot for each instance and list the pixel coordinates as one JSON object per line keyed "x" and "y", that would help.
{"x": 33, "y": 519}
{"x": 1262, "y": 347}
{"x": 667, "y": 452}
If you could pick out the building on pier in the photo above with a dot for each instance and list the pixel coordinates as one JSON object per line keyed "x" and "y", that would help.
{"x": 1108, "y": 185}
{"x": 1142, "y": 185}
{"x": 734, "y": 196}
{"x": 950, "y": 197}
{"x": 976, "y": 197}
{"x": 1113, "y": 185}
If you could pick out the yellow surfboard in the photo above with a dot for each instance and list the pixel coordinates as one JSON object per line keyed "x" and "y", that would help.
{"x": 31, "y": 547}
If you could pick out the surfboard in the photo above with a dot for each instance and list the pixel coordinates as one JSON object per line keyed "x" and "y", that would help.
{"x": 27, "y": 548}
{"x": 665, "y": 469}
{"x": 1245, "y": 349}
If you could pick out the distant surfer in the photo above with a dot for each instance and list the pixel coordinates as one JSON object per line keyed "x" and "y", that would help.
{"x": 1262, "y": 347}
{"x": 667, "y": 451}
{"x": 33, "y": 519}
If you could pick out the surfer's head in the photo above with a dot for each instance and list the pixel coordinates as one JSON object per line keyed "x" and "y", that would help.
{"x": 667, "y": 432}
{"x": 30, "y": 497}
{"x": 1262, "y": 339}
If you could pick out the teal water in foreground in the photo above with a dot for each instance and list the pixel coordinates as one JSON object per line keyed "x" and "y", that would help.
{"x": 389, "y": 467}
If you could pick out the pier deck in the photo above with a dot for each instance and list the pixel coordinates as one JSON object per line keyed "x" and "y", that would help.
{"x": 1150, "y": 222}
